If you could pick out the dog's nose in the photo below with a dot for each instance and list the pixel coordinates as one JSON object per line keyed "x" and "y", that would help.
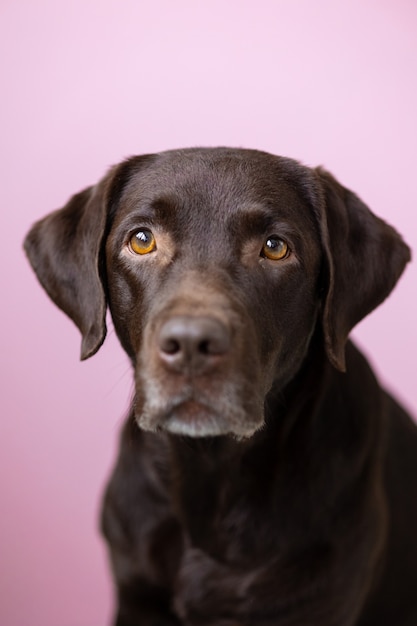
{"x": 193, "y": 345}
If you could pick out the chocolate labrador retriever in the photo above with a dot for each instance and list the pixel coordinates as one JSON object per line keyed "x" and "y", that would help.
{"x": 264, "y": 477}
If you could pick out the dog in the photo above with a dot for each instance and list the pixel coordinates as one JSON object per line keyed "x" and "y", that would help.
{"x": 264, "y": 476}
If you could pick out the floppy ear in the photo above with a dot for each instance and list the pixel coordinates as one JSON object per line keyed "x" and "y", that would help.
{"x": 365, "y": 258}
{"x": 64, "y": 251}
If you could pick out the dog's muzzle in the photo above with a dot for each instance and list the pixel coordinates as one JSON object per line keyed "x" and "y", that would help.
{"x": 190, "y": 380}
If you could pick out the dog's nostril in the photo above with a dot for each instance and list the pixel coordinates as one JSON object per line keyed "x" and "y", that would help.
{"x": 170, "y": 346}
{"x": 204, "y": 347}
{"x": 186, "y": 341}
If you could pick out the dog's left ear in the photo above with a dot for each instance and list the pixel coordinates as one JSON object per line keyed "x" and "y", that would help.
{"x": 365, "y": 258}
{"x": 64, "y": 249}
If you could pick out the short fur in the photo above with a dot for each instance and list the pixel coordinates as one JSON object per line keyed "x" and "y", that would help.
{"x": 264, "y": 477}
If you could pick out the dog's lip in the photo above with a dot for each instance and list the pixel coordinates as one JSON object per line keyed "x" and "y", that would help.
{"x": 193, "y": 413}
{"x": 189, "y": 410}
{"x": 193, "y": 418}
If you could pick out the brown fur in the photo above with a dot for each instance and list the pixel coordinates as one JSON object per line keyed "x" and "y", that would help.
{"x": 264, "y": 477}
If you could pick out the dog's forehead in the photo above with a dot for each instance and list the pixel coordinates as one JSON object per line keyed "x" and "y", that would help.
{"x": 220, "y": 179}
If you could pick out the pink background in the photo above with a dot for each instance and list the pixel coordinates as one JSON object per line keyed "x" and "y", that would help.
{"x": 88, "y": 82}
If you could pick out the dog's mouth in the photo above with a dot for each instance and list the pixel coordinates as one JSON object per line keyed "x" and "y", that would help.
{"x": 194, "y": 419}
{"x": 189, "y": 416}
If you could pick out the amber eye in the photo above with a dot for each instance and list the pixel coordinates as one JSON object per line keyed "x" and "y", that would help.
{"x": 142, "y": 242}
{"x": 275, "y": 248}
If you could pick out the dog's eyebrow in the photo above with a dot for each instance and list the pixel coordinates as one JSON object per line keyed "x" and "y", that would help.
{"x": 254, "y": 220}
{"x": 157, "y": 210}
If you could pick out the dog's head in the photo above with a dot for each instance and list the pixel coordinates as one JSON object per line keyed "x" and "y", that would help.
{"x": 218, "y": 266}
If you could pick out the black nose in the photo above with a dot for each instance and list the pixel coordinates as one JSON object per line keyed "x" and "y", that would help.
{"x": 193, "y": 345}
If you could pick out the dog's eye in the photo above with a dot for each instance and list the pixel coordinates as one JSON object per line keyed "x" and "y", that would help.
{"x": 142, "y": 242}
{"x": 275, "y": 248}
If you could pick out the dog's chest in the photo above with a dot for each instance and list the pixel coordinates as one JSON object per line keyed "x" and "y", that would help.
{"x": 226, "y": 551}
{"x": 223, "y": 513}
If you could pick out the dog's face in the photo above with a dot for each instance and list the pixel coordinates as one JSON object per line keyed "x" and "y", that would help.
{"x": 218, "y": 266}
{"x": 212, "y": 269}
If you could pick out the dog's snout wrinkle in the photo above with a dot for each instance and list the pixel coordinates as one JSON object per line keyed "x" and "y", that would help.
{"x": 193, "y": 345}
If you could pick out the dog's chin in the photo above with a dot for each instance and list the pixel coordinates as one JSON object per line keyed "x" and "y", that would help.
{"x": 192, "y": 419}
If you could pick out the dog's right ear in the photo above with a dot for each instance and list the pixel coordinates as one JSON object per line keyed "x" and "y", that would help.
{"x": 365, "y": 258}
{"x": 64, "y": 249}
